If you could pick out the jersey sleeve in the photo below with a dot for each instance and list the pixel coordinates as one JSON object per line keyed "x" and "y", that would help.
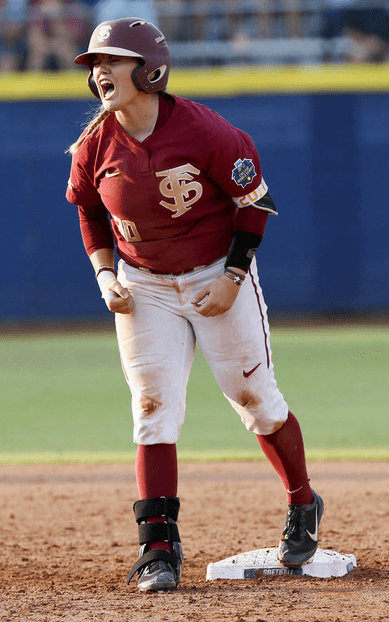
{"x": 234, "y": 165}
{"x": 95, "y": 228}
{"x": 81, "y": 189}
{"x": 233, "y": 161}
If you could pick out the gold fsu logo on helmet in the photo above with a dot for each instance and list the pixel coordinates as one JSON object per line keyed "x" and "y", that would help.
{"x": 104, "y": 33}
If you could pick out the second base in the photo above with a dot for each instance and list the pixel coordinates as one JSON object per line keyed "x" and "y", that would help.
{"x": 324, "y": 564}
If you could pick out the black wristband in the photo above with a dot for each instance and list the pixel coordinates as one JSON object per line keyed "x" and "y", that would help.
{"x": 234, "y": 276}
{"x": 243, "y": 247}
{"x": 105, "y": 268}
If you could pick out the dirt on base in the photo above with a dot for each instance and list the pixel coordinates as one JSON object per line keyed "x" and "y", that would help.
{"x": 68, "y": 539}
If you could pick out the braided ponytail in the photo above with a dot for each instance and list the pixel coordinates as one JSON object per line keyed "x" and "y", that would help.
{"x": 92, "y": 126}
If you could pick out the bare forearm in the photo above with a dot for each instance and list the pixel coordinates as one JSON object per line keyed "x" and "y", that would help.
{"x": 102, "y": 257}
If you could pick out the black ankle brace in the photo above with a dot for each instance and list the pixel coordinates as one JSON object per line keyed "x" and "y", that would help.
{"x": 166, "y": 531}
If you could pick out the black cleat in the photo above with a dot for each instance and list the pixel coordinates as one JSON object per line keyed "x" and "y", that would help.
{"x": 157, "y": 576}
{"x": 300, "y": 537}
{"x": 158, "y": 570}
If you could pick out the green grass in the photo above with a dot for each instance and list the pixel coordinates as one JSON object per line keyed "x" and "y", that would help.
{"x": 64, "y": 398}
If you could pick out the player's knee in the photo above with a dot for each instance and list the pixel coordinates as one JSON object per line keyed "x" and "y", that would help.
{"x": 148, "y": 406}
{"x": 261, "y": 415}
{"x": 249, "y": 401}
{"x": 155, "y": 423}
{"x": 262, "y": 410}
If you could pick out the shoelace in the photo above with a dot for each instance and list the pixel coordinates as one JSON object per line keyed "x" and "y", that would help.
{"x": 157, "y": 566}
{"x": 295, "y": 522}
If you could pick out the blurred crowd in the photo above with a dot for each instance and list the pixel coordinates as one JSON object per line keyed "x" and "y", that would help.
{"x": 46, "y": 35}
{"x": 367, "y": 25}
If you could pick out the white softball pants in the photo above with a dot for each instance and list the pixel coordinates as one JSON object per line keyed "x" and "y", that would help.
{"x": 157, "y": 346}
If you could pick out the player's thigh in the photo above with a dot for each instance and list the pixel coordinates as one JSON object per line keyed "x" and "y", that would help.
{"x": 156, "y": 350}
{"x": 236, "y": 345}
{"x": 238, "y": 340}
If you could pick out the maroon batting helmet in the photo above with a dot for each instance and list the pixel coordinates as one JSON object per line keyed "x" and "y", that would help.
{"x": 136, "y": 38}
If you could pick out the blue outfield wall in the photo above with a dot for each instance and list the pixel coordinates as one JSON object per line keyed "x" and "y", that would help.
{"x": 324, "y": 156}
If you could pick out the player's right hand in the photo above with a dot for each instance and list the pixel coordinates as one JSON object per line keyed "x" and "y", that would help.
{"x": 117, "y": 298}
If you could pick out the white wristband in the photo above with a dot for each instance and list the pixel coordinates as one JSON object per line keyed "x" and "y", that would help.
{"x": 103, "y": 278}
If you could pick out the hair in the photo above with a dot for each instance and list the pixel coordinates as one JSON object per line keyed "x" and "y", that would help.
{"x": 97, "y": 120}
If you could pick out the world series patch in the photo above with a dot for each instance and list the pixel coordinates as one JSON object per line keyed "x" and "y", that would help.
{"x": 244, "y": 172}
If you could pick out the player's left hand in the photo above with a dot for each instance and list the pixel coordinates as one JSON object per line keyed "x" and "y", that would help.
{"x": 216, "y": 297}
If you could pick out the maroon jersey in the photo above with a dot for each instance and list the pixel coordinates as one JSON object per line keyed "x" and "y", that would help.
{"x": 174, "y": 199}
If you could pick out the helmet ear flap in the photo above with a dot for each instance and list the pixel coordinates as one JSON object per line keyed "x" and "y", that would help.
{"x": 147, "y": 83}
{"x": 134, "y": 76}
{"x": 93, "y": 86}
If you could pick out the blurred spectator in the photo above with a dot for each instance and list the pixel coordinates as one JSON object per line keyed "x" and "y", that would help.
{"x": 13, "y": 15}
{"x": 203, "y": 20}
{"x": 282, "y": 18}
{"x": 115, "y": 9}
{"x": 192, "y": 14}
{"x": 169, "y": 12}
{"x": 47, "y": 34}
{"x": 238, "y": 20}
{"x": 57, "y": 31}
{"x": 368, "y": 30}
{"x": 294, "y": 18}
{"x": 365, "y": 24}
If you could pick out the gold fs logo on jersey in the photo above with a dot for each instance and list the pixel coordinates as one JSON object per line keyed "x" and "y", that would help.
{"x": 104, "y": 33}
{"x": 178, "y": 186}
{"x": 244, "y": 172}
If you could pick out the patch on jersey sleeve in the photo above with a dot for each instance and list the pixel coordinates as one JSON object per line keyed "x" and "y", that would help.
{"x": 243, "y": 172}
{"x": 259, "y": 198}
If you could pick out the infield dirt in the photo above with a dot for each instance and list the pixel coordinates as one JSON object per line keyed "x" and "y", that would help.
{"x": 68, "y": 539}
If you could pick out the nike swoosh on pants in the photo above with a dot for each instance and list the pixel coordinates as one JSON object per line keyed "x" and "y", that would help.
{"x": 248, "y": 373}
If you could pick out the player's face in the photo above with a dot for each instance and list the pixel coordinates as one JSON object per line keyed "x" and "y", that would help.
{"x": 112, "y": 75}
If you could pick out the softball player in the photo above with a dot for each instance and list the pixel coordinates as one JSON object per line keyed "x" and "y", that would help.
{"x": 180, "y": 193}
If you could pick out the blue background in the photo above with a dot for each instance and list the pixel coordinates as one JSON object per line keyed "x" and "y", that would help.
{"x": 324, "y": 157}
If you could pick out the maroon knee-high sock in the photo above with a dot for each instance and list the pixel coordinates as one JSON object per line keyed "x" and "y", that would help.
{"x": 285, "y": 451}
{"x": 157, "y": 476}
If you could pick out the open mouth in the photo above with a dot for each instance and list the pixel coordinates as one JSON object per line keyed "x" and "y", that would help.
{"x": 107, "y": 88}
